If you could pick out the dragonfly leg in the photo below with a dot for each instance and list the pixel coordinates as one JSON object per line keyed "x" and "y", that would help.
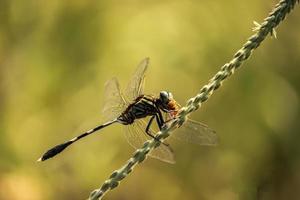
{"x": 148, "y": 128}
{"x": 160, "y": 123}
{"x": 160, "y": 118}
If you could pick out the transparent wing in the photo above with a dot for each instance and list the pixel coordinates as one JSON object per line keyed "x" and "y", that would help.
{"x": 114, "y": 102}
{"x": 196, "y": 132}
{"x": 135, "y": 86}
{"x": 136, "y": 137}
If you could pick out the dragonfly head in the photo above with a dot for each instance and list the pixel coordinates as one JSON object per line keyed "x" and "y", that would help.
{"x": 166, "y": 102}
{"x": 165, "y": 97}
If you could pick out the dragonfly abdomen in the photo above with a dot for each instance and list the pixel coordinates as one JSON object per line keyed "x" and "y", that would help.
{"x": 126, "y": 118}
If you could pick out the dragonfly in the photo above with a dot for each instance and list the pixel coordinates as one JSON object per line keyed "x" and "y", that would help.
{"x": 137, "y": 112}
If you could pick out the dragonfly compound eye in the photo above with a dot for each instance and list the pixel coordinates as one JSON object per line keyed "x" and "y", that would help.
{"x": 164, "y": 97}
{"x": 170, "y": 95}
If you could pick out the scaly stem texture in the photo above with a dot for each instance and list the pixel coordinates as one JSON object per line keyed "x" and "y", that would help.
{"x": 266, "y": 27}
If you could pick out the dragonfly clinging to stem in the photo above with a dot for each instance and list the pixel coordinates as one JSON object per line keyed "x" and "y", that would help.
{"x": 132, "y": 109}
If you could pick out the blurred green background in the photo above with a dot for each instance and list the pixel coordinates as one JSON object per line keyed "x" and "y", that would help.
{"x": 55, "y": 57}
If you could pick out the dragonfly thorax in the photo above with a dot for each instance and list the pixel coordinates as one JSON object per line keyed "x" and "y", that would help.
{"x": 141, "y": 107}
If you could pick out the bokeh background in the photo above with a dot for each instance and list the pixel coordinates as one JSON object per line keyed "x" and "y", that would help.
{"x": 55, "y": 57}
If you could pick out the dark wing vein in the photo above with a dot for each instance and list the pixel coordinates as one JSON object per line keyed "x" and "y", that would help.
{"x": 196, "y": 132}
{"x": 135, "y": 86}
{"x": 114, "y": 102}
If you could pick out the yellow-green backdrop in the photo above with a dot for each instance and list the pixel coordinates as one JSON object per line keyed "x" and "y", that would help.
{"x": 55, "y": 57}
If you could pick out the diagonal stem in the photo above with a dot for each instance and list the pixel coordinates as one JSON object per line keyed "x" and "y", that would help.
{"x": 268, "y": 26}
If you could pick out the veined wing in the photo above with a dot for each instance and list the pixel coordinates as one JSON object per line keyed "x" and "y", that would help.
{"x": 114, "y": 102}
{"x": 196, "y": 132}
{"x": 136, "y": 137}
{"x": 135, "y": 86}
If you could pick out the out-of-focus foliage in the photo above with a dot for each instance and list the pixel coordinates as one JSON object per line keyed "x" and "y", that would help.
{"x": 55, "y": 57}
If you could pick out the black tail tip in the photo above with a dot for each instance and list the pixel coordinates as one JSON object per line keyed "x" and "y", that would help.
{"x": 40, "y": 159}
{"x": 54, "y": 151}
{"x": 43, "y": 158}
